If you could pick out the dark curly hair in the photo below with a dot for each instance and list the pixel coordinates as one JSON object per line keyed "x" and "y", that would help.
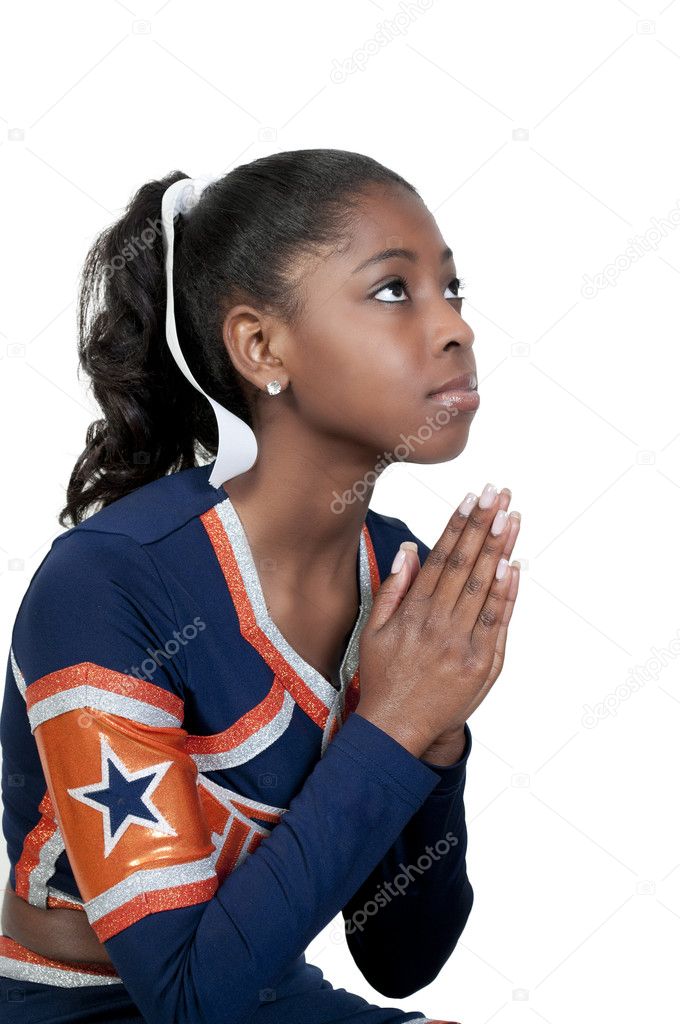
{"x": 238, "y": 244}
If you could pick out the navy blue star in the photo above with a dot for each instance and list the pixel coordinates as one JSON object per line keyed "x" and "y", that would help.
{"x": 123, "y": 797}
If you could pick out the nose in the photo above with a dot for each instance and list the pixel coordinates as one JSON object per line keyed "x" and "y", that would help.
{"x": 453, "y": 331}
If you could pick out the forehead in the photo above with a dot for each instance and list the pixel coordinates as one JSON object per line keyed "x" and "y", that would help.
{"x": 392, "y": 218}
{"x": 381, "y": 217}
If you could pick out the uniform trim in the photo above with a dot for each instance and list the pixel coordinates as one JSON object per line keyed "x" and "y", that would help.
{"x": 37, "y": 862}
{"x": 22, "y": 964}
{"x": 92, "y": 685}
{"x": 314, "y": 694}
{"x": 148, "y": 891}
{"x": 256, "y": 730}
{"x": 18, "y": 675}
{"x": 58, "y": 899}
{"x": 234, "y": 833}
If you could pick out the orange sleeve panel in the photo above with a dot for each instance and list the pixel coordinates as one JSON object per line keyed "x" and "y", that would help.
{"x": 126, "y": 800}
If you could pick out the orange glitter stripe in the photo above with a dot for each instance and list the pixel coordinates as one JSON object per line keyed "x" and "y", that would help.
{"x": 250, "y": 630}
{"x": 15, "y": 951}
{"x": 33, "y": 844}
{"x": 296, "y": 686}
{"x": 233, "y": 844}
{"x": 87, "y": 673}
{"x": 151, "y": 902}
{"x": 255, "y": 812}
{"x": 57, "y": 901}
{"x": 243, "y": 728}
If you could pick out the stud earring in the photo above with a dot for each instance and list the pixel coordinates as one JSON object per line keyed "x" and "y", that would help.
{"x": 273, "y": 387}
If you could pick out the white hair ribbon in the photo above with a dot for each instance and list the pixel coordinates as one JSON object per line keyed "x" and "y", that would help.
{"x": 237, "y": 445}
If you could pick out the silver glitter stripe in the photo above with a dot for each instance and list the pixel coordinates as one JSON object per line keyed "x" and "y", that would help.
{"x": 225, "y": 797}
{"x": 102, "y": 700}
{"x": 44, "y": 975}
{"x": 147, "y": 880}
{"x": 44, "y": 869}
{"x": 245, "y": 751}
{"x": 333, "y": 714}
{"x": 51, "y": 891}
{"x": 245, "y": 849}
{"x": 18, "y": 675}
{"x": 325, "y": 691}
{"x": 351, "y": 660}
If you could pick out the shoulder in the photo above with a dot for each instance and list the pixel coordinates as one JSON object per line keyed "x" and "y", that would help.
{"x": 106, "y": 560}
{"x": 93, "y": 614}
{"x": 155, "y": 509}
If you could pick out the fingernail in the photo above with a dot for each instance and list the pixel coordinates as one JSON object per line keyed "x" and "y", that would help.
{"x": 502, "y": 568}
{"x": 500, "y": 520}
{"x": 398, "y": 560}
{"x": 467, "y": 504}
{"x": 487, "y": 496}
{"x": 410, "y": 545}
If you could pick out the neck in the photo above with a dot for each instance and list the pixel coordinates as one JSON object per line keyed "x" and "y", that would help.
{"x": 301, "y": 506}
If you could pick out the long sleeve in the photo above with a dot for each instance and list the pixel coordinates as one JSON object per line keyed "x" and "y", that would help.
{"x": 403, "y": 923}
{"x": 111, "y": 743}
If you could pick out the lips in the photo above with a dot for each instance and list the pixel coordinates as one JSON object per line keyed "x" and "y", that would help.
{"x": 465, "y": 382}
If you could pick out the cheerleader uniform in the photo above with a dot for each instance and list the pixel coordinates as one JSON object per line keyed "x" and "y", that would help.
{"x": 175, "y": 770}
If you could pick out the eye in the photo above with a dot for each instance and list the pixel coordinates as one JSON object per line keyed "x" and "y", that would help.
{"x": 399, "y": 284}
{"x": 457, "y": 284}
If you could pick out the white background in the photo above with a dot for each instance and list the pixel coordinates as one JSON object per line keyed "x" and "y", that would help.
{"x": 544, "y": 138}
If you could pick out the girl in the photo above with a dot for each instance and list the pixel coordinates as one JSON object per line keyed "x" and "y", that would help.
{"x": 195, "y": 783}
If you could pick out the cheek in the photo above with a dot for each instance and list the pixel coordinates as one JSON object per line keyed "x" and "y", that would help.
{"x": 367, "y": 383}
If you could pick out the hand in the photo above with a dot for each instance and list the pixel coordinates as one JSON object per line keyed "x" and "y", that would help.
{"x": 434, "y": 643}
{"x": 452, "y": 740}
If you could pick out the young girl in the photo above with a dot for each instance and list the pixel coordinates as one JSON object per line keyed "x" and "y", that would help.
{"x": 195, "y": 781}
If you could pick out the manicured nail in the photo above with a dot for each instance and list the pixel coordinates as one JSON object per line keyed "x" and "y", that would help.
{"x": 398, "y": 560}
{"x": 502, "y": 568}
{"x": 499, "y": 523}
{"x": 487, "y": 496}
{"x": 410, "y": 545}
{"x": 467, "y": 504}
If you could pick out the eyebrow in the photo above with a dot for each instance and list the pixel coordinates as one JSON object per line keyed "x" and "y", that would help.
{"x": 407, "y": 254}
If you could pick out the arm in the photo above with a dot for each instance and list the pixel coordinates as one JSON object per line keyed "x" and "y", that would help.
{"x": 404, "y": 921}
{"x": 189, "y": 950}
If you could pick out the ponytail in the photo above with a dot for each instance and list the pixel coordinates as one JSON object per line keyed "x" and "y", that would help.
{"x": 237, "y": 245}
